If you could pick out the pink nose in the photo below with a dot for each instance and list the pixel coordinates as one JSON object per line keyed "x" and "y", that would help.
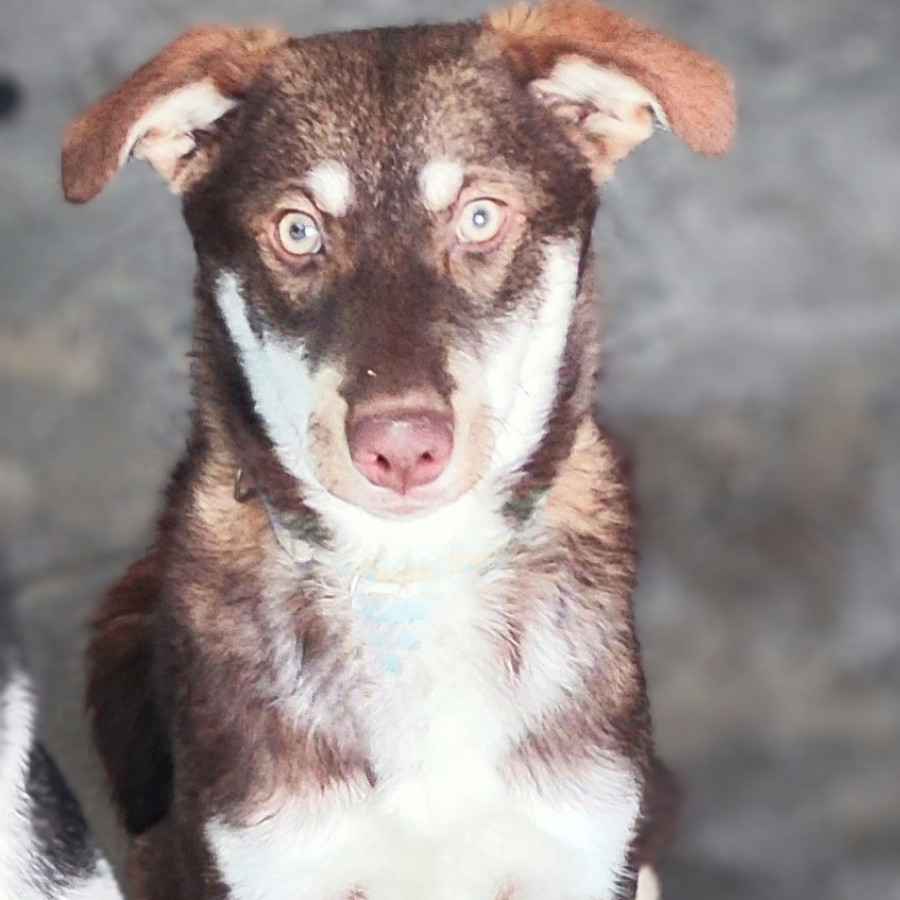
{"x": 401, "y": 451}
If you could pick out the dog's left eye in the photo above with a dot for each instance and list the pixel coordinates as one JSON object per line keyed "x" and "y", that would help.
{"x": 480, "y": 221}
{"x": 298, "y": 234}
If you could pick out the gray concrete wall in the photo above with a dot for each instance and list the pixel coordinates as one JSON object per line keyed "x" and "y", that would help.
{"x": 751, "y": 365}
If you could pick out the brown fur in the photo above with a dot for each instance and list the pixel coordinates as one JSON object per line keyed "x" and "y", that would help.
{"x": 228, "y": 57}
{"x": 191, "y": 710}
{"x": 696, "y": 91}
{"x": 140, "y": 779}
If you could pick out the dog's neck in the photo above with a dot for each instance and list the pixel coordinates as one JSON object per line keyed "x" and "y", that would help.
{"x": 458, "y": 537}
{"x": 306, "y": 543}
{"x": 470, "y": 536}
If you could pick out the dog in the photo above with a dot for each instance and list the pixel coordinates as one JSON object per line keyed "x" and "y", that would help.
{"x": 46, "y": 849}
{"x": 383, "y": 646}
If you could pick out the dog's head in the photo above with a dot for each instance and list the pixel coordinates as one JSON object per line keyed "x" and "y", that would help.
{"x": 393, "y": 227}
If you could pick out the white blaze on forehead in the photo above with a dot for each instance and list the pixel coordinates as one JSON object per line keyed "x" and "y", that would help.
{"x": 440, "y": 182}
{"x": 332, "y": 188}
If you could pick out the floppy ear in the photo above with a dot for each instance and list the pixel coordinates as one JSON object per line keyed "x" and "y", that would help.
{"x": 611, "y": 79}
{"x": 157, "y": 113}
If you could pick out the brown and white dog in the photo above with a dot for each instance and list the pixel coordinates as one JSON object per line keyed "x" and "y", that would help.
{"x": 383, "y": 644}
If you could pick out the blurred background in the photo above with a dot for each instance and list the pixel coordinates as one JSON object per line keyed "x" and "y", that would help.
{"x": 752, "y": 368}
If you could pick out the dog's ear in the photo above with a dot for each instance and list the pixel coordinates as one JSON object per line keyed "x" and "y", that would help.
{"x": 159, "y": 111}
{"x": 611, "y": 79}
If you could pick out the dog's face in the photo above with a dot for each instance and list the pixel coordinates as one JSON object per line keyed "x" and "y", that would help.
{"x": 393, "y": 226}
{"x": 395, "y": 230}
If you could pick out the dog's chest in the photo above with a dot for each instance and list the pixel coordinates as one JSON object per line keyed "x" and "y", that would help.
{"x": 438, "y": 711}
{"x": 428, "y": 693}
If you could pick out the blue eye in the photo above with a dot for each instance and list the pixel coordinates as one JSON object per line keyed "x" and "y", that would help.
{"x": 480, "y": 221}
{"x": 298, "y": 234}
{"x": 481, "y": 217}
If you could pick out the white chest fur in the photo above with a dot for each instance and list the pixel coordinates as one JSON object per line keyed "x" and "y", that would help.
{"x": 443, "y": 821}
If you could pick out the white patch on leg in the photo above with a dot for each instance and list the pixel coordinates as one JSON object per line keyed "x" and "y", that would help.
{"x": 20, "y": 876}
{"x": 16, "y": 734}
{"x": 648, "y": 886}
{"x": 99, "y": 886}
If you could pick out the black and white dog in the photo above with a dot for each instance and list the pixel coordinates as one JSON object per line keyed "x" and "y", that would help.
{"x": 46, "y": 849}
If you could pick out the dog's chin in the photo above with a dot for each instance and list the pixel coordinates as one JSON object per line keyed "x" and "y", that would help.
{"x": 351, "y": 488}
{"x": 384, "y": 503}
{"x": 387, "y": 504}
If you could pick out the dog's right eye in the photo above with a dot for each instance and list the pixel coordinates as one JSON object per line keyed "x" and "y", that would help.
{"x": 480, "y": 221}
{"x": 298, "y": 234}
